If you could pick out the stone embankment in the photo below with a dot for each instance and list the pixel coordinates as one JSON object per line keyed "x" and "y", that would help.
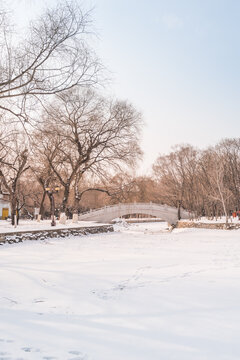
{"x": 199, "y": 225}
{"x": 15, "y": 237}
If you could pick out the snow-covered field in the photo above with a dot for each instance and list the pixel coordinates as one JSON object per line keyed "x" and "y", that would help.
{"x": 137, "y": 294}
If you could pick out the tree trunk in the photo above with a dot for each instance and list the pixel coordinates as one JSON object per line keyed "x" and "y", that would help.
{"x": 76, "y": 204}
{"x": 179, "y": 210}
{"x": 42, "y": 209}
{"x": 65, "y": 198}
{"x": 13, "y": 208}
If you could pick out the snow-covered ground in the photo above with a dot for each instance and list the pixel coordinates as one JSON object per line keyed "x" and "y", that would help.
{"x": 34, "y": 225}
{"x": 218, "y": 220}
{"x": 137, "y": 294}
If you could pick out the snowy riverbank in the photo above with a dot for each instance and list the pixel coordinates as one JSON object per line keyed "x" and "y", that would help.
{"x": 140, "y": 293}
{"x": 34, "y": 225}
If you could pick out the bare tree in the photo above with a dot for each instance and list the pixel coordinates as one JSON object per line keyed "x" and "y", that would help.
{"x": 230, "y": 152}
{"x": 14, "y": 164}
{"x": 43, "y": 174}
{"x": 121, "y": 187}
{"x": 213, "y": 173}
{"x": 52, "y": 57}
{"x": 83, "y": 132}
{"x": 175, "y": 174}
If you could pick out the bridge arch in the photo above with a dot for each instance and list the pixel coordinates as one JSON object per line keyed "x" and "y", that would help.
{"x": 109, "y": 213}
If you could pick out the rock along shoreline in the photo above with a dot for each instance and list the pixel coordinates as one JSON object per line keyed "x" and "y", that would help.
{"x": 20, "y": 236}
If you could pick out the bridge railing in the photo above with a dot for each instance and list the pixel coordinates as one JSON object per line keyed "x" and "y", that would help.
{"x": 136, "y": 204}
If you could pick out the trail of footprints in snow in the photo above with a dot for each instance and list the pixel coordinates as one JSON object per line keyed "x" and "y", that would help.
{"x": 73, "y": 354}
{"x": 130, "y": 283}
{"x": 133, "y": 283}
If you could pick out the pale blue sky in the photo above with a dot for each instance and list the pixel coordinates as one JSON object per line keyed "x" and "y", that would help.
{"x": 176, "y": 60}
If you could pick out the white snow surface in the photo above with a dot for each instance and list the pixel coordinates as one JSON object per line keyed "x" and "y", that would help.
{"x": 218, "y": 220}
{"x": 34, "y": 225}
{"x": 137, "y": 294}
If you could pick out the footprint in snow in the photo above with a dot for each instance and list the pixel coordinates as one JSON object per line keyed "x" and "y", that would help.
{"x": 8, "y": 341}
{"x": 27, "y": 349}
{"x": 80, "y": 356}
{"x": 73, "y": 352}
{"x": 5, "y": 356}
{"x": 39, "y": 300}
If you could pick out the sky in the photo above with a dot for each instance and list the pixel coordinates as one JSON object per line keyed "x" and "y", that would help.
{"x": 177, "y": 61}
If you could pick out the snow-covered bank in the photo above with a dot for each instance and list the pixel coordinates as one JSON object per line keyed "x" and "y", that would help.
{"x": 137, "y": 294}
{"x": 215, "y": 220}
{"x": 18, "y": 236}
{"x": 34, "y": 225}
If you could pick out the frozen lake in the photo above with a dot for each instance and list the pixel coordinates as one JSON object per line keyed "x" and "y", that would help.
{"x": 137, "y": 294}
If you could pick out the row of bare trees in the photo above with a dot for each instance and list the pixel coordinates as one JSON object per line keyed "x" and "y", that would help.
{"x": 205, "y": 182}
{"x": 79, "y": 134}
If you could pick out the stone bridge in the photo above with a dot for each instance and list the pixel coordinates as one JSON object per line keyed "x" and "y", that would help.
{"x": 109, "y": 213}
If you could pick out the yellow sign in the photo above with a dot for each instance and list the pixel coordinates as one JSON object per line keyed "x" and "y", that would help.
{"x": 5, "y": 212}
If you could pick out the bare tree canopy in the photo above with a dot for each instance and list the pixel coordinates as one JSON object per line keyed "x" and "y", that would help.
{"x": 53, "y": 56}
{"x": 83, "y": 132}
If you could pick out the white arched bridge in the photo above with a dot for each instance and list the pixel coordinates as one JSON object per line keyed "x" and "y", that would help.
{"x": 109, "y": 213}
